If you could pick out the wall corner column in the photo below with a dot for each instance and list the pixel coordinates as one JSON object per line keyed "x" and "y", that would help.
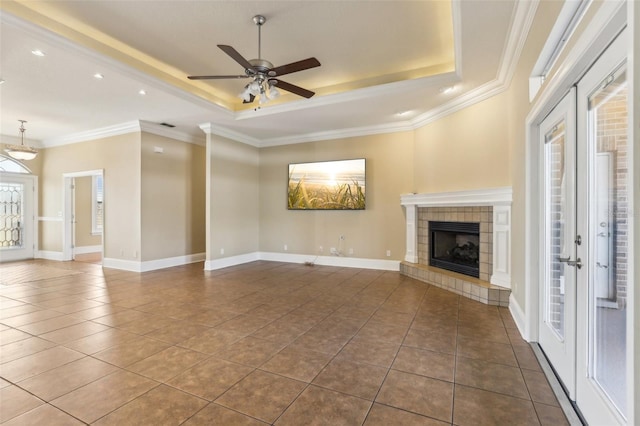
{"x": 207, "y": 129}
{"x": 411, "y": 253}
{"x": 501, "y": 275}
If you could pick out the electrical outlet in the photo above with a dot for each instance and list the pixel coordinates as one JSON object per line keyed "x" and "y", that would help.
{"x": 221, "y": 251}
{"x": 333, "y": 250}
{"x": 350, "y": 251}
{"x": 321, "y": 249}
{"x": 285, "y": 247}
{"x": 388, "y": 253}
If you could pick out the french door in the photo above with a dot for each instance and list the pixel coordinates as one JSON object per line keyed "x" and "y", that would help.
{"x": 603, "y": 194}
{"x": 557, "y": 332}
{"x": 585, "y": 244}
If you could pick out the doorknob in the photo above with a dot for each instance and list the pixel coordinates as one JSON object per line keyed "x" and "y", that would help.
{"x": 577, "y": 263}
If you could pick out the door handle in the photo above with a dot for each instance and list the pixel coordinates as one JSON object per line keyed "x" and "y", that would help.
{"x": 577, "y": 263}
{"x": 600, "y": 265}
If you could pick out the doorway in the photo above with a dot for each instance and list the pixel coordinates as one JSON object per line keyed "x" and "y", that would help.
{"x": 584, "y": 243}
{"x": 84, "y": 206}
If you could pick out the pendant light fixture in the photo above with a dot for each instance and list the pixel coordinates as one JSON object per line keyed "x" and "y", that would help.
{"x": 22, "y": 151}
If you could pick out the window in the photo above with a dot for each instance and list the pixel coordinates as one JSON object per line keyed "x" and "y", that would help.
{"x": 9, "y": 165}
{"x": 97, "y": 205}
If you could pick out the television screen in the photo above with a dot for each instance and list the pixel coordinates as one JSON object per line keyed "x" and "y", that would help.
{"x": 327, "y": 185}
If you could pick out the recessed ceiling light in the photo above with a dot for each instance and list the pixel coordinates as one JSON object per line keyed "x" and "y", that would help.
{"x": 98, "y": 76}
{"x": 142, "y": 92}
{"x": 403, "y": 113}
{"x": 447, "y": 89}
{"x": 37, "y": 52}
{"x": 1, "y": 80}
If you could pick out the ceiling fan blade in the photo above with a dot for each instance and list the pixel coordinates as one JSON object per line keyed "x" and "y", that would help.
{"x": 215, "y": 77}
{"x": 293, "y": 88}
{"x": 236, "y": 56}
{"x": 295, "y": 67}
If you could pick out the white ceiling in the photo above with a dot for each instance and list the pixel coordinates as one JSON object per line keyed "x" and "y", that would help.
{"x": 379, "y": 58}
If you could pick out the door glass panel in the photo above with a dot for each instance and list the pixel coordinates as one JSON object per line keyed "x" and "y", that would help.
{"x": 555, "y": 228}
{"x": 608, "y": 124}
{"x": 11, "y": 212}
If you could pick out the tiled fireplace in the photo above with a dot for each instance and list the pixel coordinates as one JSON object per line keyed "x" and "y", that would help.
{"x": 478, "y": 228}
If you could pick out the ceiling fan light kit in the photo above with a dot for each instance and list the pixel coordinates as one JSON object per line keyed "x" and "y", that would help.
{"x": 22, "y": 151}
{"x": 263, "y": 73}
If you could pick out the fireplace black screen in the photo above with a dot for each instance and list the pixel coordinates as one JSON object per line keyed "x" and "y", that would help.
{"x": 455, "y": 246}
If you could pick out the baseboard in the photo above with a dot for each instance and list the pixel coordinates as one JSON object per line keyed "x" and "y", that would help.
{"x": 87, "y": 249}
{"x": 341, "y": 261}
{"x": 124, "y": 265}
{"x": 49, "y": 255}
{"x": 225, "y": 262}
{"x": 151, "y": 265}
{"x": 518, "y": 317}
{"x": 347, "y": 262}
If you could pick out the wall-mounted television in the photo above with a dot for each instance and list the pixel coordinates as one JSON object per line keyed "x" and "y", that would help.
{"x": 327, "y": 185}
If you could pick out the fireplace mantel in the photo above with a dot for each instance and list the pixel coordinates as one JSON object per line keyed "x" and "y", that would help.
{"x": 498, "y": 198}
{"x": 480, "y": 197}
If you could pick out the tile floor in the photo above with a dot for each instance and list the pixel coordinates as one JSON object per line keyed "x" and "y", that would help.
{"x": 260, "y": 343}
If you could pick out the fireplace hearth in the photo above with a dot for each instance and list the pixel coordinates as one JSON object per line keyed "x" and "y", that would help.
{"x": 455, "y": 246}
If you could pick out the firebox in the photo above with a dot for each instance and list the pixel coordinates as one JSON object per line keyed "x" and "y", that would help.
{"x": 455, "y": 246}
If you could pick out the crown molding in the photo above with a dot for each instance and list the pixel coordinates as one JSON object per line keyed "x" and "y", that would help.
{"x": 380, "y": 90}
{"x": 522, "y": 19}
{"x": 521, "y": 22}
{"x": 160, "y": 130}
{"x": 339, "y": 134}
{"x": 204, "y": 99}
{"x": 135, "y": 126}
{"x": 103, "y": 132}
{"x": 211, "y": 129}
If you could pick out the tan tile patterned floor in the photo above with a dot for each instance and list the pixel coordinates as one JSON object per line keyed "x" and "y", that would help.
{"x": 262, "y": 343}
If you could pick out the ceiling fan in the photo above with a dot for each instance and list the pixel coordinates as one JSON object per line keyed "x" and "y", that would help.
{"x": 263, "y": 73}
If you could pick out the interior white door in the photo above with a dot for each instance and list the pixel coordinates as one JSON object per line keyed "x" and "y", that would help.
{"x": 558, "y": 253}
{"x": 603, "y": 193}
{"x": 17, "y": 216}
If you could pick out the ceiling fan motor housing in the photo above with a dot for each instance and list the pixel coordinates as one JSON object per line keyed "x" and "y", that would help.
{"x": 260, "y": 65}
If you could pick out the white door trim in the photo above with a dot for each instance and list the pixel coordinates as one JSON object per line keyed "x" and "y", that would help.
{"x": 67, "y": 211}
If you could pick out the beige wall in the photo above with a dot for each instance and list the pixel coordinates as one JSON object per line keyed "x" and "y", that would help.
{"x": 83, "y": 213}
{"x": 233, "y": 198}
{"x": 119, "y": 156}
{"x": 465, "y": 150}
{"x": 173, "y": 198}
{"x": 370, "y": 232}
